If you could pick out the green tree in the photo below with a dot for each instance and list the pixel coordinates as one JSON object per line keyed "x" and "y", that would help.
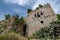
{"x": 18, "y": 23}
{"x": 15, "y": 22}
{"x": 40, "y": 5}
{"x": 58, "y": 16}
{"x": 22, "y": 21}
{"x": 7, "y": 16}
{"x": 29, "y": 10}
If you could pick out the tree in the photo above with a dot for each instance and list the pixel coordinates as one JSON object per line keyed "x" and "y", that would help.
{"x": 58, "y": 16}
{"x": 18, "y": 23}
{"x": 15, "y": 22}
{"x": 29, "y": 10}
{"x": 7, "y": 16}
{"x": 37, "y": 8}
{"x": 22, "y": 21}
{"x": 16, "y": 16}
{"x": 40, "y": 5}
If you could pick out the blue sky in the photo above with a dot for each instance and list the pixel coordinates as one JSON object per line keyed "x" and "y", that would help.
{"x": 21, "y": 6}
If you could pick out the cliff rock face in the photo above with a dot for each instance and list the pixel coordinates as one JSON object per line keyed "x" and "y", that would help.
{"x": 39, "y": 18}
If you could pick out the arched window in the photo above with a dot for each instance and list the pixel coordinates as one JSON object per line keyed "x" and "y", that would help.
{"x": 41, "y": 13}
{"x": 25, "y": 30}
{"x": 38, "y": 14}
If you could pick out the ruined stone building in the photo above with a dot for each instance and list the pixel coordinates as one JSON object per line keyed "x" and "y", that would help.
{"x": 39, "y": 18}
{"x": 36, "y": 19}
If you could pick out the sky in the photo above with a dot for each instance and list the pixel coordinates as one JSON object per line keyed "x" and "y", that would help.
{"x": 20, "y": 6}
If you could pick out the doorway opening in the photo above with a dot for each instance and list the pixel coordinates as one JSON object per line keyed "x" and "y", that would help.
{"x": 25, "y": 30}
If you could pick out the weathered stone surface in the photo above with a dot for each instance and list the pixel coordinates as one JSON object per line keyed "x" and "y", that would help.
{"x": 40, "y": 18}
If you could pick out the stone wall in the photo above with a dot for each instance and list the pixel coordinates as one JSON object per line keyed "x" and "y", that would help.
{"x": 38, "y": 18}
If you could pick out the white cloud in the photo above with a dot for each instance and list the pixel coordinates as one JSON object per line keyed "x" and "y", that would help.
{"x": 19, "y": 2}
{"x": 52, "y": 2}
{"x": 35, "y": 3}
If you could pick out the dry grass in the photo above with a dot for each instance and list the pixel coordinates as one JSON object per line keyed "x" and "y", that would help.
{"x": 12, "y": 36}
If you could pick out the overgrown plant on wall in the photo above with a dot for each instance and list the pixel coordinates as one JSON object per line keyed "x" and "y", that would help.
{"x": 17, "y": 23}
{"x": 48, "y": 32}
{"x": 15, "y": 26}
{"x": 58, "y": 16}
{"x": 29, "y": 10}
{"x": 7, "y": 16}
{"x": 40, "y": 6}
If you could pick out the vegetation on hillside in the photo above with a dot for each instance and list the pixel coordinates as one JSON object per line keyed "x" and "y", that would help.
{"x": 17, "y": 25}
{"x": 18, "y": 21}
{"x": 12, "y": 36}
{"x": 49, "y": 32}
{"x": 52, "y": 31}
{"x": 7, "y": 16}
{"x": 58, "y": 16}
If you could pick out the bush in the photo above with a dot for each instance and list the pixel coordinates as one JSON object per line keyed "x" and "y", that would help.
{"x": 48, "y": 32}
{"x": 12, "y": 36}
{"x": 58, "y": 16}
{"x": 40, "y": 5}
{"x": 29, "y": 10}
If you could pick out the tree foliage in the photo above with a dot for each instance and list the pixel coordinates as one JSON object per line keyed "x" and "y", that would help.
{"x": 58, "y": 16}
{"x": 22, "y": 21}
{"x": 7, "y": 16}
{"x": 48, "y": 32}
{"x": 18, "y": 21}
{"x": 40, "y": 5}
{"x": 29, "y": 10}
{"x": 17, "y": 24}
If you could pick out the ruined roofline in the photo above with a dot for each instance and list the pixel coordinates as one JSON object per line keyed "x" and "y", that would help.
{"x": 43, "y": 6}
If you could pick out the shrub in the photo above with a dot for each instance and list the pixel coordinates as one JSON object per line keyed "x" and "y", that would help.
{"x": 7, "y": 16}
{"x": 48, "y": 32}
{"x": 12, "y": 36}
{"x": 58, "y": 16}
{"x": 29, "y": 10}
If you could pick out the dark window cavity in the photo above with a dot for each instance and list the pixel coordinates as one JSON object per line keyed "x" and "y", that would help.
{"x": 42, "y": 22}
{"x": 38, "y": 15}
{"x": 35, "y": 15}
{"x": 41, "y": 13}
{"x": 25, "y": 29}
